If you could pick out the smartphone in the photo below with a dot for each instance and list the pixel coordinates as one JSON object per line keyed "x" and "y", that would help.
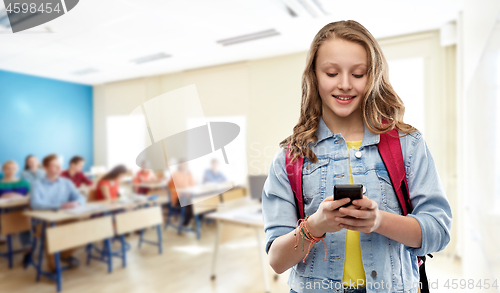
{"x": 353, "y": 191}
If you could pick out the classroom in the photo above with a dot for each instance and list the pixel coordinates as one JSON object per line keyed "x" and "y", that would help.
{"x": 249, "y": 146}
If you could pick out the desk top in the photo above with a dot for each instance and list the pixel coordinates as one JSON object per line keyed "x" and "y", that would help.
{"x": 245, "y": 215}
{"x": 206, "y": 189}
{"x": 14, "y": 202}
{"x": 89, "y": 209}
{"x": 160, "y": 184}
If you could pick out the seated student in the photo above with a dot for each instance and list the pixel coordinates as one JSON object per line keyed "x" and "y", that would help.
{"x": 32, "y": 170}
{"x": 55, "y": 192}
{"x": 10, "y": 187}
{"x": 182, "y": 178}
{"x": 74, "y": 172}
{"x": 108, "y": 187}
{"x": 213, "y": 175}
{"x": 144, "y": 176}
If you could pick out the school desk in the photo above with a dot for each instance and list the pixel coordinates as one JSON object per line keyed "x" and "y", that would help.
{"x": 12, "y": 221}
{"x": 204, "y": 198}
{"x": 155, "y": 188}
{"x": 247, "y": 213}
{"x": 92, "y": 225}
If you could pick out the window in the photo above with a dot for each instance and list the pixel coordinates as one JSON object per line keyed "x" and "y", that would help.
{"x": 407, "y": 79}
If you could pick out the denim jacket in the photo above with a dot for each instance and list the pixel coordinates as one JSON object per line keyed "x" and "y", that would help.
{"x": 389, "y": 265}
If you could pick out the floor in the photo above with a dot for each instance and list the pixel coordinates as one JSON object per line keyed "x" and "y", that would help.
{"x": 184, "y": 266}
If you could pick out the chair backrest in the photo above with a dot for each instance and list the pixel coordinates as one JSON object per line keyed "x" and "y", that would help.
{"x": 139, "y": 219}
{"x": 72, "y": 235}
{"x": 233, "y": 194}
{"x": 14, "y": 222}
{"x": 209, "y": 203}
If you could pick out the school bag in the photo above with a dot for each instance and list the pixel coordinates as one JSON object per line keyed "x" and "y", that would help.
{"x": 389, "y": 148}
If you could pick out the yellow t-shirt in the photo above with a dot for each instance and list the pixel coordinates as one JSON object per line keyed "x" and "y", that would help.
{"x": 353, "y": 265}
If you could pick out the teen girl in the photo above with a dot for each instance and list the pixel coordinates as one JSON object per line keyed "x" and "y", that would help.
{"x": 369, "y": 246}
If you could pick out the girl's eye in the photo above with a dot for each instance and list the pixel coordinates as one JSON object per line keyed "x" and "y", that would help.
{"x": 331, "y": 74}
{"x": 358, "y": 75}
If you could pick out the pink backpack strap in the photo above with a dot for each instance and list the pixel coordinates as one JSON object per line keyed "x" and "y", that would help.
{"x": 390, "y": 151}
{"x": 294, "y": 173}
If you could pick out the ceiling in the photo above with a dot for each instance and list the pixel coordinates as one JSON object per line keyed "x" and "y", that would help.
{"x": 96, "y": 41}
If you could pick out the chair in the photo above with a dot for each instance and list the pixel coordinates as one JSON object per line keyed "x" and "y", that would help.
{"x": 72, "y": 235}
{"x": 172, "y": 210}
{"x": 13, "y": 223}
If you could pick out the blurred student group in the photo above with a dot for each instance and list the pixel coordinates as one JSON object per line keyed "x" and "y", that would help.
{"x": 39, "y": 198}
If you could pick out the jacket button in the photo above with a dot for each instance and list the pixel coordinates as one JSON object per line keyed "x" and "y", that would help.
{"x": 358, "y": 154}
{"x": 374, "y": 274}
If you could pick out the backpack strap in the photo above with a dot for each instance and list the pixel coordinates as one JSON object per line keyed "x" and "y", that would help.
{"x": 389, "y": 148}
{"x": 294, "y": 173}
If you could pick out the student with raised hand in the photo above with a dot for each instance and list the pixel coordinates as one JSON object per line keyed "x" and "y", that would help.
{"x": 74, "y": 172}
{"x": 368, "y": 246}
{"x": 108, "y": 186}
{"x": 32, "y": 170}
{"x": 11, "y": 186}
{"x": 55, "y": 192}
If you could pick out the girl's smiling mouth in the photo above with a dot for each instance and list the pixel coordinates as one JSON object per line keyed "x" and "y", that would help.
{"x": 344, "y": 99}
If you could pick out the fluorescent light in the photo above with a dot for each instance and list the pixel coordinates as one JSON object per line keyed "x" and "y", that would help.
{"x": 150, "y": 58}
{"x": 249, "y": 37}
{"x": 85, "y": 71}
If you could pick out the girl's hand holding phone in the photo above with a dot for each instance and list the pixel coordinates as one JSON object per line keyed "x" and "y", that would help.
{"x": 365, "y": 218}
{"x": 323, "y": 220}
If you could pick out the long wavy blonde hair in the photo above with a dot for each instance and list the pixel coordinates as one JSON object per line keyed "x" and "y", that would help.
{"x": 379, "y": 104}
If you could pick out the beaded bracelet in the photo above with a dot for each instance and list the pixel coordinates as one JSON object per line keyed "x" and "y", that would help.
{"x": 302, "y": 226}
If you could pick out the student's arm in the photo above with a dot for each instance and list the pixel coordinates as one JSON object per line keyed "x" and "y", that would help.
{"x": 430, "y": 206}
{"x": 105, "y": 191}
{"x": 28, "y": 186}
{"x": 86, "y": 180}
{"x": 10, "y": 194}
{"x": 75, "y": 195}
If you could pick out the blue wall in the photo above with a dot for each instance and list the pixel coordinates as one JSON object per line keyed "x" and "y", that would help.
{"x": 41, "y": 116}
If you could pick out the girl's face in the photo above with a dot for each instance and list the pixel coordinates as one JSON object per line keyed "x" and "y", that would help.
{"x": 341, "y": 72}
{"x": 33, "y": 163}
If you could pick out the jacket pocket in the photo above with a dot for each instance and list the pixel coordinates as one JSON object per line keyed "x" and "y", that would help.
{"x": 314, "y": 183}
{"x": 389, "y": 197}
{"x": 314, "y": 177}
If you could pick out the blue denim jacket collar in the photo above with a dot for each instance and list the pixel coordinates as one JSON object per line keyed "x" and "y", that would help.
{"x": 323, "y": 132}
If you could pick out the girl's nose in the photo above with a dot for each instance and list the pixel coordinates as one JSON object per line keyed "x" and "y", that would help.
{"x": 344, "y": 83}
